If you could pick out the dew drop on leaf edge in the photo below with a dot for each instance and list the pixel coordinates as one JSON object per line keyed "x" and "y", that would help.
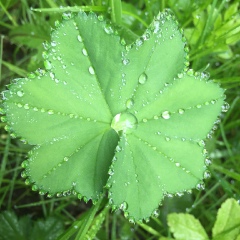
{"x": 91, "y": 70}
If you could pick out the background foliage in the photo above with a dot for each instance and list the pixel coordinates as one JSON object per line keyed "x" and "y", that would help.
{"x": 212, "y": 28}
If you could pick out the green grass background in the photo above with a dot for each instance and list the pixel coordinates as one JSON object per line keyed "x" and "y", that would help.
{"x": 212, "y": 28}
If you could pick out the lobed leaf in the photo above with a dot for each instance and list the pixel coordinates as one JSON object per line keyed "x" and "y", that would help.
{"x": 105, "y": 113}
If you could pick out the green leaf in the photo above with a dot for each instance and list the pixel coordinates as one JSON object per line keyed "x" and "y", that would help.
{"x": 50, "y": 228}
{"x": 131, "y": 117}
{"x": 185, "y": 226}
{"x": 10, "y": 228}
{"x": 30, "y": 35}
{"x": 231, "y": 11}
{"x": 227, "y": 225}
{"x": 24, "y": 228}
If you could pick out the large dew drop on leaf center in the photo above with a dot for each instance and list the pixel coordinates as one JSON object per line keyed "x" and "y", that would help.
{"x": 125, "y": 122}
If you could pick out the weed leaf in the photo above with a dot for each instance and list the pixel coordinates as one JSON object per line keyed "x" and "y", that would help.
{"x": 186, "y": 226}
{"x": 105, "y": 113}
{"x": 227, "y": 225}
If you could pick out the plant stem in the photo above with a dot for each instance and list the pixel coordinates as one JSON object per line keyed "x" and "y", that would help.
{"x": 89, "y": 219}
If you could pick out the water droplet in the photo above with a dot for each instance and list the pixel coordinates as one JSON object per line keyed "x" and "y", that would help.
{"x": 186, "y": 49}
{"x": 225, "y": 107}
{"x": 126, "y": 214}
{"x": 125, "y": 122}
{"x": 213, "y": 101}
{"x": 155, "y": 26}
{"x": 50, "y": 112}
{"x": 118, "y": 148}
{"x": 123, "y": 42}
{"x": 147, "y": 35}
{"x": 13, "y": 135}
{"x": 177, "y": 164}
{"x": 205, "y": 151}
{"x": 166, "y": 115}
{"x": 49, "y": 195}
{"x": 145, "y": 120}
{"x": 167, "y": 139}
{"x": 126, "y": 61}
{"x": 79, "y": 38}
{"x": 20, "y": 93}
{"x": 200, "y": 186}
{"x": 201, "y": 143}
{"x": 208, "y": 162}
{"x": 179, "y": 194}
{"x": 23, "y": 174}
{"x": 139, "y": 42}
{"x": 65, "y": 159}
{"x": 26, "y": 106}
{"x": 46, "y": 45}
{"x": 4, "y": 119}
{"x": 142, "y": 78}
{"x": 100, "y": 18}
{"x": 25, "y": 164}
{"x": 67, "y": 15}
{"x": 45, "y": 55}
{"x": 52, "y": 75}
{"x": 124, "y": 206}
{"x": 59, "y": 194}
{"x": 34, "y": 187}
{"x": 110, "y": 172}
{"x": 27, "y": 181}
{"x": 131, "y": 220}
{"x": 108, "y": 29}
{"x": 156, "y": 213}
{"x": 53, "y": 43}
{"x": 84, "y": 52}
{"x": 91, "y": 70}
{"x": 155, "y": 117}
{"x": 7, "y": 128}
{"x": 206, "y": 174}
{"x": 181, "y": 111}
{"x": 129, "y": 103}
{"x": 190, "y": 72}
{"x": 47, "y": 65}
{"x": 42, "y": 193}
{"x": 56, "y": 23}
{"x": 2, "y": 111}
{"x": 147, "y": 220}
{"x": 199, "y": 106}
{"x": 180, "y": 75}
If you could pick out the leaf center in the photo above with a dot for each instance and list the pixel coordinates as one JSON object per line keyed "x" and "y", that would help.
{"x": 125, "y": 122}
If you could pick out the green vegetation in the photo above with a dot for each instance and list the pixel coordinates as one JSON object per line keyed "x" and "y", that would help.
{"x": 212, "y": 29}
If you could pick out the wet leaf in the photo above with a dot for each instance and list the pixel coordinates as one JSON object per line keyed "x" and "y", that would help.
{"x": 104, "y": 113}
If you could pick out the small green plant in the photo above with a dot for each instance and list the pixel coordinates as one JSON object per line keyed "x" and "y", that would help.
{"x": 110, "y": 115}
{"x": 25, "y": 228}
{"x": 227, "y": 225}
